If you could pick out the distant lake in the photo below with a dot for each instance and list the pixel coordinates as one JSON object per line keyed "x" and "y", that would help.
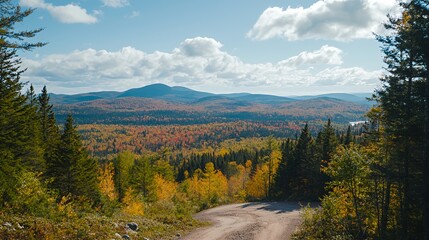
{"x": 357, "y": 122}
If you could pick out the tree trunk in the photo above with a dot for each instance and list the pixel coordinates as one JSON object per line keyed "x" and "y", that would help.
{"x": 426, "y": 162}
{"x": 385, "y": 211}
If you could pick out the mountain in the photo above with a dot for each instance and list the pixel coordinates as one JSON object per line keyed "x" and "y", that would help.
{"x": 356, "y": 98}
{"x": 162, "y": 104}
{"x": 164, "y": 92}
{"x": 83, "y": 97}
{"x": 222, "y": 103}
{"x": 265, "y": 99}
{"x": 185, "y": 95}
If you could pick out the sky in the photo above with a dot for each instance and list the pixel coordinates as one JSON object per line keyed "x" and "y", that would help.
{"x": 285, "y": 48}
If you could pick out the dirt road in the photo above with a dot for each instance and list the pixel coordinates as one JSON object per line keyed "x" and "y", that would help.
{"x": 256, "y": 221}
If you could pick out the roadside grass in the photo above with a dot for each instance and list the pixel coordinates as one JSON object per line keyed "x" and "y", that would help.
{"x": 93, "y": 226}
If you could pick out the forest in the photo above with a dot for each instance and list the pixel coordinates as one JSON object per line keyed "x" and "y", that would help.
{"x": 145, "y": 111}
{"x": 61, "y": 180}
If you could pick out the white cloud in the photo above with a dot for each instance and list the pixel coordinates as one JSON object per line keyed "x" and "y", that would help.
{"x": 69, "y": 13}
{"x": 354, "y": 76}
{"x": 325, "y": 55}
{"x": 115, "y": 3}
{"x": 134, "y": 14}
{"x": 326, "y": 19}
{"x": 197, "y": 62}
{"x": 201, "y": 46}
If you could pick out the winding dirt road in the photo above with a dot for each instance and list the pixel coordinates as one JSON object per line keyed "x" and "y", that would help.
{"x": 256, "y": 221}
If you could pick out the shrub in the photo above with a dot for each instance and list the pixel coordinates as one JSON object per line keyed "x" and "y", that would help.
{"x": 32, "y": 196}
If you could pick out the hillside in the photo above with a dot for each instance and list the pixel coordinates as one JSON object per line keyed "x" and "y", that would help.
{"x": 161, "y": 104}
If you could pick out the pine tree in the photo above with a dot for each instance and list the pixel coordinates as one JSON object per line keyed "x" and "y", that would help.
{"x": 16, "y": 143}
{"x": 35, "y": 160}
{"x": 348, "y": 138}
{"x": 123, "y": 164}
{"x": 404, "y": 100}
{"x": 50, "y": 133}
{"x": 143, "y": 178}
{"x": 285, "y": 171}
{"x": 16, "y": 134}
{"x": 305, "y": 179}
{"x": 12, "y": 14}
{"x": 73, "y": 172}
{"x": 328, "y": 145}
{"x": 329, "y": 142}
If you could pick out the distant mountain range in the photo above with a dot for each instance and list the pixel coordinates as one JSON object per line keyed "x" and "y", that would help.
{"x": 189, "y": 96}
{"x": 159, "y": 104}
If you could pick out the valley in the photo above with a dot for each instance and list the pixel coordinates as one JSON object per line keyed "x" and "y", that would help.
{"x": 160, "y": 104}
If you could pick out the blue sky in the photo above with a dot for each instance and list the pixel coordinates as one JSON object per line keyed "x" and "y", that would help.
{"x": 277, "y": 47}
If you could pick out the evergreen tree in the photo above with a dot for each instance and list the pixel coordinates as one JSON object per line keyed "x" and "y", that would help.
{"x": 12, "y": 14}
{"x": 348, "y": 138}
{"x": 306, "y": 168}
{"x": 143, "y": 178}
{"x": 73, "y": 172}
{"x": 50, "y": 133}
{"x": 329, "y": 142}
{"x": 285, "y": 171}
{"x": 328, "y": 145}
{"x": 123, "y": 164}
{"x": 16, "y": 143}
{"x": 404, "y": 101}
{"x": 35, "y": 160}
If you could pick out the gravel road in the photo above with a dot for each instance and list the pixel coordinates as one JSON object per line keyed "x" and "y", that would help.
{"x": 256, "y": 221}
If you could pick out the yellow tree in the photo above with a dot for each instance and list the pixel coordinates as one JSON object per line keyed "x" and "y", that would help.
{"x": 257, "y": 187}
{"x": 237, "y": 182}
{"x": 234, "y": 180}
{"x": 106, "y": 182}
{"x": 193, "y": 186}
{"x": 164, "y": 189}
{"x": 273, "y": 165}
{"x": 133, "y": 205}
{"x": 215, "y": 184}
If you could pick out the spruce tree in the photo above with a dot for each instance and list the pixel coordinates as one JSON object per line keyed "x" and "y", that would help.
{"x": 286, "y": 170}
{"x": 123, "y": 164}
{"x": 348, "y": 138}
{"x": 17, "y": 147}
{"x": 326, "y": 146}
{"x": 143, "y": 177}
{"x": 329, "y": 142}
{"x": 73, "y": 172}
{"x": 35, "y": 160}
{"x": 306, "y": 168}
{"x": 404, "y": 100}
{"x": 12, "y": 14}
{"x": 17, "y": 131}
{"x": 50, "y": 133}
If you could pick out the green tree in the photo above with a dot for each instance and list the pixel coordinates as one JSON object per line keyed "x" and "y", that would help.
{"x": 16, "y": 144}
{"x": 329, "y": 142}
{"x": 286, "y": 169}
{"x": 35, "y": 160}
{"x": 142, "y": 179}
{"x": 12, "y": 14}
{"x": 347, "y": 211}
{"x": 123, "y": 163}
{"x": 326, "y": 145}
{"x": 404, "y": 100}
{"x": 348, "y": 138}
{"x": 305, "y": 180}
{"x": 50, "y": 133}
{"x": 74, "y": 173}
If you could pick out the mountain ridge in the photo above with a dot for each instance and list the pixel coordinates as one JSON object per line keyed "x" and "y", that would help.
{"x": 161, "y": 104}
{"x": 181, "y": 94}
